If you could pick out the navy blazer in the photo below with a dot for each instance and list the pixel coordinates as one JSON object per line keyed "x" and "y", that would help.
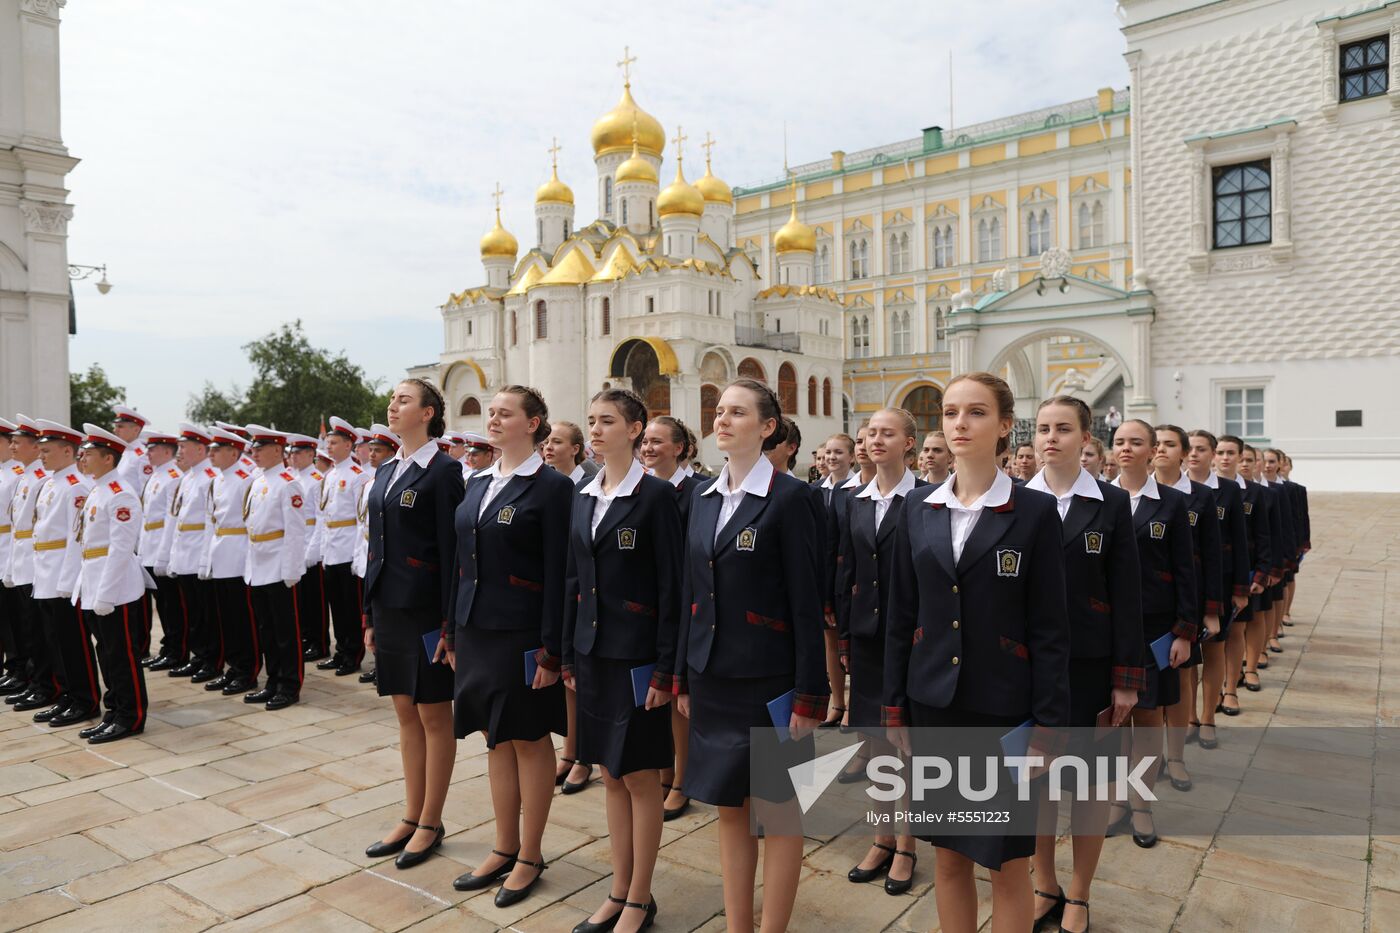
{"x": 1255, "y": 505}
{"x": 835, "y": 594}
{"x": 1103, "y": 584}
{"x": 685, "y": 492}
{"x": 755, "y": 581}
{"x": 1302, "y": 521}
{"x": 409, "y": 560}
{"x": 1234, "y": 540}
{"x": 511, "y": 560}
{"x": 1206, "y": 550}
{"x": 867, "y": 557}
{"x": 622, "y": 589}
{"x": 1164, "y": 540}
{"x": 1285, "y": 543}
{"x": 990, "y": 635}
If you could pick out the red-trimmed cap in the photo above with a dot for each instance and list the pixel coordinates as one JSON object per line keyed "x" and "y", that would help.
{"x": 476, "y": 442}
{"x": 443, "y": 444}
{"x": 6, "y": 428}
{"x": 53, "y": 431}
{"x": 123, "y": 413}
{"x": 237, "y": 430}
{"x": 455, "y": 437}
{"x": 261, "y": 435}
{"x": 97, "y": 437}
{"x": 300, "y": 442}
{"x": 380, "y": 434}
{"x": 193, "y": 432}
{"x": 25, "y": 426}
{"x": 221, "y": 438}
{"x": 159, "y": 437}
{"x": 344, "y": 428}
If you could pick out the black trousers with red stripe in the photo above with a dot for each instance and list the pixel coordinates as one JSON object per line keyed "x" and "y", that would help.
{"x": 311, "y": 606}
{"x": 70, "y": 644}
{"x": 174, "y": 619}
{"x": 12, "y": 636}
{"x": 234, "y": 607}
{"x": 279, "y": 630}
{"x": 118, "y": 643}
{"x": 143, "y": 646}
{"x": 206, "y": 643}
{"x": 29, "y": 634}
{"x": 343, "y": 593}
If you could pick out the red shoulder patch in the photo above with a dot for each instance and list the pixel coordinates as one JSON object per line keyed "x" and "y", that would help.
{"x": 18, "y": 470}
{"x": 39, "y": 473}
{"x": 73, "y": 479}
{"x": 286, "y": 476}
{"x": 316, "y": 476}
{"x": 240, "y": 474}
{"x": 355, "y": 469}
{"x": 174, "y": 473}
{"x": 296, "y": 502}
{"x": 123, "y": 514}
{"x": 114, "y": 486}
{"x": 209, "y": 472}
{"x": 138, "y": 451}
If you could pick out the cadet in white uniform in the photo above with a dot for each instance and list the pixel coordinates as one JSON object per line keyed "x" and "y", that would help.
{"x": 18, "y": 570}
{"x": 275, "y": 517}
{"x": 12, "y": 639}
{"x": 111, "y": 586}
{"x": 338, "y": 526}
{"x": 224, "y": 564}
{"x": 156, "y": 497}
{"x": 135, "y": 466}
{"x": 311, "y": 591}
{"x": 56, "y": 513}
{"x": 187, "y": 534}
{"x": 479, "y": 456}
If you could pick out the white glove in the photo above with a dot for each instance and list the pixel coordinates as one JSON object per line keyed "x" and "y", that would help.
{"x": 63, "y": 595}
{"x": 291, "y": 583}
{"x": 9, "y": 582}
{"x": 204, "y": 575}
{"x": 102, "y": 609}
{"x": 162, "y": 570}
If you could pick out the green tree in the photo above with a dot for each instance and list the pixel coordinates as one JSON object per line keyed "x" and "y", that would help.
{"x": 294, "y": 386}
{"x": 91, "y": 397}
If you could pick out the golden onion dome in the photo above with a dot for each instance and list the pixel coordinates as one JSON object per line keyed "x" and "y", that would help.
{"x": 635, "y": 169}
{"x": 498, "y": 242}
{"x": 554, "y": 190}
{"x": 614, "y": 130}
{"x": 713, "y": 188}
{"x": 680, "y": 197}
{"x": 795, "y": 236}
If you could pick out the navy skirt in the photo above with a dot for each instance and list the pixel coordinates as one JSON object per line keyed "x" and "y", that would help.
{"x": 722, "y": 711}
{"x": 867, "y": 668}
{"x": 491, "y": 693}
{"x": 1163, "y": 686}
{"x": 612, "y": 730}
{"x": 401, "y": 662}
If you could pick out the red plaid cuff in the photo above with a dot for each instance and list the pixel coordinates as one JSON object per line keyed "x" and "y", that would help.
{"x": 547, "y": 661}
{"x": 1129, "y": 678}
{"x": 679, "y": 685}
{"x": 1259, "y": 577}
{"x": 1184, "y": 629}
{"x": 1213, "y": 608}
{"x": 810, "y": 706}
{"x": 663, "y": 681}
{"x": 1241, "y": 589}
{"x": 893, "y": 717}
{"x": 1049, "y": 740}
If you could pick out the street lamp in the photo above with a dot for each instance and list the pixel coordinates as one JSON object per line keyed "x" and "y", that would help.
{"x": 77, "y": 273}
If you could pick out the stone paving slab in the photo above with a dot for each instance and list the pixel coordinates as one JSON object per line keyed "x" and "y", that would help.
{"x": 226, "y": 815}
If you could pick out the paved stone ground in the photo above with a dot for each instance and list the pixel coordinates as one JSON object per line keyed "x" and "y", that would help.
{"x": 257, "y": 820}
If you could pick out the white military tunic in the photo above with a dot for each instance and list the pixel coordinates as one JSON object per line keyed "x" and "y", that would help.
{"x": 110, "y": 573}
{"x": 20, "y": 570}
{"x": 276, "y": 529}
{"x": 11, "y": 471}
{"x": 310, "y": 480}
{"x": 188, "y": 530}
{"x": 56, "y": 531}
{"x": 338, "y": 526}
{"x": 156, "y": 497}
{"x": 228, "y": 543}
{"x": 135, "y": 468}
{"x": 361, "y": 559}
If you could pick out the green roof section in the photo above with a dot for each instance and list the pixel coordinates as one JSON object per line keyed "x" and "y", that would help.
{"x": 1225, "y": 134}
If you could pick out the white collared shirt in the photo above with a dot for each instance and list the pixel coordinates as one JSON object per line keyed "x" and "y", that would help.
{"x": 422, "y": 456}
{"x": 1084, "y": 485}
{"x": 756, "y": 483}
{"x": 577, "y": 474}
{"x": 1240, "y": 480}
{"x": 530, "y": 467}
{"x": 963, "y": 518}
{"x": 882, "y": 503}
{"x": 1183, "y": 483}
{"x": 1149, "y": 489}
{"x": 1212, "y": 480}
{"x": 678, "y": 475}
{"x": 625, "y": 488}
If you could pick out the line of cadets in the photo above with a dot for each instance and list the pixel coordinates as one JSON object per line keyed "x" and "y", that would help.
{"x": 976, "y": 608}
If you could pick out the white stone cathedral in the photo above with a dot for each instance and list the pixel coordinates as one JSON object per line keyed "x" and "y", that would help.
{"x": 653, "y": 295}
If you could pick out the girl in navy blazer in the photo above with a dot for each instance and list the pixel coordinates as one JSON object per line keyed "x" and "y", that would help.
{"x": 508, "y": 602}
{"x": 834, "y": 489}
{"x": 1262, "y": 637}
{"x": 1103, "y": 593}
{"x": 1229, "y": 464}
{"x": 1273, "y": 466}
{"x": 1302, "y": 528}
{"x": 977, "y": 633}
{"x": 871, "y": 515}
{"x": 1169, "y": 601}
{"x": 667, "y": 448}
{"x": 621, "y": 610}
{"x": 751, "y": 632}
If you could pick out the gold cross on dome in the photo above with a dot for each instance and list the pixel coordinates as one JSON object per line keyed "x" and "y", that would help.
{"x": 497, "y": 195}
{"x": 626, "y": 65}
{"x": 679, "y": 139}
{"x": 707, "y": 145}
{"x": 554, "y": 151}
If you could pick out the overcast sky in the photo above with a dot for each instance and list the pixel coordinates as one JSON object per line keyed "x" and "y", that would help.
{"x": 332, "y": 160}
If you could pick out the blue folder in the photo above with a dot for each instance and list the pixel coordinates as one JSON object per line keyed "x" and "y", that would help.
{"x": 1016, "y": 742}
{"x": 641, "y": 680}
{"x": 430, "y": 643}
{"x": 1162, "y": 651}
{"x": 531, "y": 665}
{"x": 780, "y": 711}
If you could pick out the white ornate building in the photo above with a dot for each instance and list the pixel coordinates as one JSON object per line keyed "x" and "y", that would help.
{"x": 34, "y": 213}
{"x": 652, "y": 295}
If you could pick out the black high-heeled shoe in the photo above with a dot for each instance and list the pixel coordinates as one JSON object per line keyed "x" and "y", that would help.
{"x": 856, "y": 776}
{"x": 505, "y": 897}
{"x": 895, "y": 888}
{"x": 1252, "y": 688}
{"x": 650, "y": 908}
{"x": 561, "y": 777}
{"x": 470, "y": 882}
{"x": 381, "y": 849}
{"x": 603, "y": 925}
{"x": 573, "y": 787}
{"x": 860, "y": 875}
{"x": 1227, "y": 710}
{"x": 833, "y": 723}
{"x": 1054, "y": 913}
{"x": 1144, "y": 840}
{"x": 1077, "y": 903}
{"x": 408, "y": 858}
{"x": 1214, "y": 740}
{"x": 1182, "y": 785}
{"x": 670, "y": 813}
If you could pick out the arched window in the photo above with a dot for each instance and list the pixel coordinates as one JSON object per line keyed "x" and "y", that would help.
{"x": 988, "y": 239}
{"x": 541, "y": 321}
{"x": 514, "y": 329}
{"x": 607, "y": 316}
{"x": 1096, "y": 225}
{"x": 624, "y": 210}
{"x": 823, "y": 264}
{"x": 940, "y": 330}
{"x": 926, "y": 405}
{"x": 826, "y": 398}
{"x": 811, "y": 395}
{"x": 943, "y": 253}
{"x": 709, "y": 401}
{"x": 607, "y": 197}
{"x": 855, "y": 260}
{"x": 470, "y": 406}
{"x": 1090, "y": 224}
{"x": 787, "y": 388}
{"x": 750, "y": 368}
{"x": 899, "y": 252}
{"x": 899, "y": 332}
{"x": 860, "y": 337}
{"x": 539, "y": 230}
{"x": 1037, "y": 232}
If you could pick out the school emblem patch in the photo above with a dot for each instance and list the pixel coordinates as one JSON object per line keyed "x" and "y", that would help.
{"x": 626, "y": 539}
{"x": 1093, "y": 542}
{"x": 407, "y": 499}
{"x": 1008, "y": 563}
{"x": 1220, "y": 513}
{"x": 506, "y": 515}
{"x": 296, "y": 502}
{"x": 1158, "y": 530}
{"x": 747, "y": 539}
{"x": 1191, "y": 517}
{"x": 123, "y": 514}
{"x": 1249, "y": 508}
